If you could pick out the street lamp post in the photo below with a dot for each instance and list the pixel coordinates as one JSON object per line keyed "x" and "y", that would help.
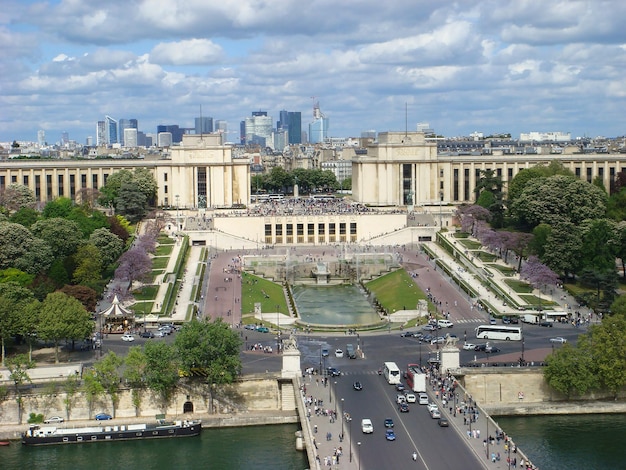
{"x": 359, "y": 445}
{"x": 350, "y": 431}
{"x": 330, "y": 395}
{"x": 335, "y": 398}
{"x": 342, "y": 418}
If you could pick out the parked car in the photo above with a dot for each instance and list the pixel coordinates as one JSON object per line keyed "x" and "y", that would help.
{"x": 389, "y": 423}
{"x": 103, "y": 417}
{"x": 403, "y": 408}
{"x": 250, "y": 326}
{"x": 547, "y": 324}
{"x": 480, "y": 347}
{"x": 438, "y": 339}
{"x": 146, "y": 334}
{"x": 390, "y": 435}
{"x": 492, "y": 321}
{"x": 325, "y": 352}
{"x": 366, "y": 426}
{"x": 333, "y": 372}
{"x": 469, "y": 346}
{"x": 506, "y": 320}
{"x": 429, "y": 327}
{"x": 443, "y": 422}
{"x": 263, "y": 329}
{"x": 128, "y": 337}
{"x": 338, "y": 353}
{"x": 357, "y": 386}
{"x": 492, "y": 349}
{"x": 432, "y": 406}
{"x": 407, "y": 334}
{"x": 558, "y": 339}
{"x": 435, "y": 414}
{"x": 53, "y": 419}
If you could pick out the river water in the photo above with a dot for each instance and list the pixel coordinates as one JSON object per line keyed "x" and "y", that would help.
{"x": 246, "y": 448}
{"x": 570, "y": 442}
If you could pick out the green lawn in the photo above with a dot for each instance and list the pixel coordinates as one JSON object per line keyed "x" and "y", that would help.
{"x": 396, "y": 291}
{"x": 160, "y": 262}
{"x": 165, "y": 240}
{"x": 485, "y": 257}
{"x": 470, "y": 244}
{"x": 534, "y": 300}
{"x": 505, "y": 270}
{"x": 518, "y": 286}
{"x": 164, "y": 250}
{"x": 146, "y": 293}
{"x": 256, "y": 289}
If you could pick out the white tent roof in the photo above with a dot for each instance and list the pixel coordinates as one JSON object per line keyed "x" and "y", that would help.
{"x": 117, "y": 310}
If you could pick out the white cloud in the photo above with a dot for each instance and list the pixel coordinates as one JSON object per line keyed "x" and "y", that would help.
{"x": 188, "y": 52}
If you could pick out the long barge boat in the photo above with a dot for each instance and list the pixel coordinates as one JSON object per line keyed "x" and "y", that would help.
{"x": 48, "y": 435}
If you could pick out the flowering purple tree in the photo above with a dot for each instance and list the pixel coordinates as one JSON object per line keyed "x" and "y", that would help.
{"x": 537, "y": 273}
{"x": 135, "y": 265}
{"x": 470, "y": 215}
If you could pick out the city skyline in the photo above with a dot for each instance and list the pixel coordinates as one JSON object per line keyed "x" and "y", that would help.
{"x": 487, "y": 66}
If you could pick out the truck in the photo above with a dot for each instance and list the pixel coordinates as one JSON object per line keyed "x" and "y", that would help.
{"x": 530, "y": 318}
{"x": 350, "y": 351}
{"x": 415, "y": 378}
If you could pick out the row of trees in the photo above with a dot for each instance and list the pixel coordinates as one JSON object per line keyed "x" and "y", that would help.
{"x": 596, "y": 363}
{"x": 308, "y": 181}
{"x": 203, "y": 352}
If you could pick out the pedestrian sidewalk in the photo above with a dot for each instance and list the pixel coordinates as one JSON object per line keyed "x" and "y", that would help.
{"x": 327, "y": 425}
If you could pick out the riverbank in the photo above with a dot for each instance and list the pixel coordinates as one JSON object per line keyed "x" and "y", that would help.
{"x": 568, "y": 408}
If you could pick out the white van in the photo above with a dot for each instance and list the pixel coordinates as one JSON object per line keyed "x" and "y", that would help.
{"x": 366, "y": 426}
{"x": 423, "y": 399}
{"x": 444, "y": 324}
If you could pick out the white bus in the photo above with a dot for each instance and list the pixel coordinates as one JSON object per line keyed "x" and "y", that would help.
{"x": 391, "y": 372}
{"x": 507, "y": 333}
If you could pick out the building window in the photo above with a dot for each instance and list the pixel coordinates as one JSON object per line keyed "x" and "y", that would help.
{"x": 165, "y": 189}
{"x": 589, "y": 175}
{"x": 94, "y": 181}
{"x": 165, "y": 177}
{"x": 25, "y": 179}
{"x": 72, "y": 186}
{"x": 60, "y": 192}
{"x": 83, "y": 181}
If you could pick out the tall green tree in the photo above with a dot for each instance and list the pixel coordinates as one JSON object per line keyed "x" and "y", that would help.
{"x": 212, "y": 347}
{"x": 571, "y": 370}
{"x": 609, "y": 352}
{"x": 17, "y": 196}
{"x": 63, "y": 318}
{"x": 135, "y": 364}
{"x": 61, "y": 235}
{"x": 131, "y": 202}
{"x": 92, "y": 388}
{"x": 20, "y": 249}
{"x": 25, "y": 216}
{"x": 18, "y": 367}
{"x": 562, "y": 249}
{"x": 108, "y": 374}
{"x": 110, "y": 245}
{"x": 89, "y": 265}
{"x": 162, "y": 374}
{"x": 13, "y": 299}
{"x": 59, "y": 207}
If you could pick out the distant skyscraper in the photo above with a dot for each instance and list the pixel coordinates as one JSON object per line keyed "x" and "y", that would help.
{"x": 111, "y": 130}
{"x": 291, "y": 121}
{"x": 221, "y": 126}
{"x": 101, "y": 133}
{"x": 204, "y": 125}
{"x": 177, "y": 132}
{"x": 258, "y": 129}
{"x": 65, "y": 138}
{"x": 130, "y": 137}
{"x": 318, "y": 129}
{"x": 164, "y": 139}
{"x": 89, "y": 141}
{"x": 123, "y": 125}
{"x": 41, "y": 137}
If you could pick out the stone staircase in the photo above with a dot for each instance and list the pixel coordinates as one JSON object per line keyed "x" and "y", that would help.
{"x": 287, "y": 396}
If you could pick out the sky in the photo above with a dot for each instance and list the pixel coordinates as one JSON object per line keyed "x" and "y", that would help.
{"x": 491, "y": 66}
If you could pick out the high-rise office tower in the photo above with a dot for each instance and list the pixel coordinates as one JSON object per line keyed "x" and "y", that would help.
{"x": 258, "y": 129}
{"x": 130, "y": 137}
{"x": 174, "y": 129}
{"x": 41, "y": 137}
{"x": 204, "y": 125}
{"x": 101, "y": 133}
{"x": 65, "y": 138}
{"x": 123, "y": 125}
{"x": 291, "y": 121}
{"x": 111, "y": 130}
{"x": 318, "y": 129}
{"x": 221, "y": 126}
